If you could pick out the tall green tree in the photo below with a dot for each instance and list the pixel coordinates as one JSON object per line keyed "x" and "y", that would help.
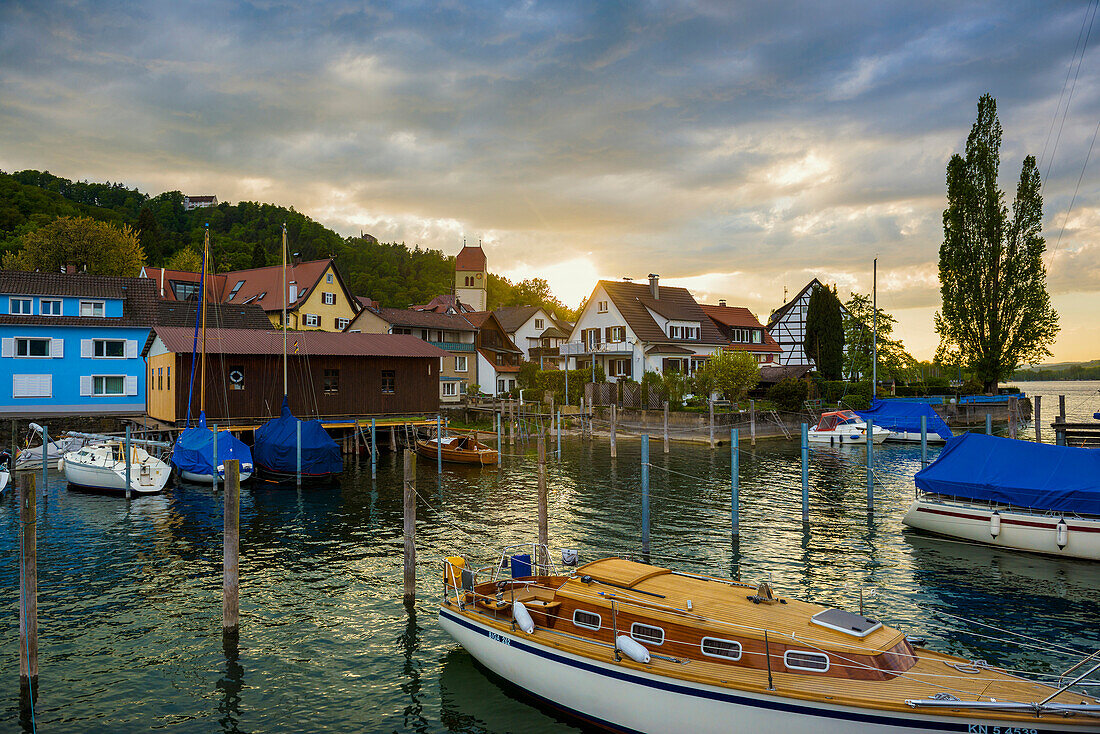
{"x": 824, "y": 338}
{"x": 83, "y": 243}
{"x": 893, "y": 361}
{"x": 148, "y": 232}
{"x": 996, "y": 312}
{"x": 732, "y": 373}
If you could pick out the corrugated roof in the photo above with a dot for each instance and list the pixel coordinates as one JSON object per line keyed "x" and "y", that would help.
{"x": 139, "y": 295}
{"x": 470, "y": 258}
{"x": 299, "y": 343}
{"x": 426, "y": 319}
{"x": 218, "y": 315}
{"x": 632, "y": 298}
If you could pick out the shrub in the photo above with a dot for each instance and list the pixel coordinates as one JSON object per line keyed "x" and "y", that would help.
{"x": 855, "y": 402}
{"x": 789, "y": 394}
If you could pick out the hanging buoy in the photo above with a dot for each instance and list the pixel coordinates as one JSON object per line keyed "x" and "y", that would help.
{"x": 1061, "y": 533}
{"x": 523, "y": 617}
{"x": 633, "y": 649}
{"x": 995, "y": 524}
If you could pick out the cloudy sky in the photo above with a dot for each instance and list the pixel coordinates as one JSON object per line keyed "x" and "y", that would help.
{"x": 739, "y": 149}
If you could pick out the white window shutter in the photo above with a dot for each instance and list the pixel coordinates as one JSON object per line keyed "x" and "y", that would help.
{"x": 131, "y": 385}
{"x": 57, "y": 348}
{"x": 85, "y": 385}
{"x": 131, "y": 350}
{"x": 8, "y": 347}
{"x": 86, "y": 350}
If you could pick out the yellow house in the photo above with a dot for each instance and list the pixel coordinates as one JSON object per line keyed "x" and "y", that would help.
{"x": 316, "y": 295}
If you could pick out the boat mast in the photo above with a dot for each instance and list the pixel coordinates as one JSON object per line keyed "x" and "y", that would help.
{"x": 202, "y": 307}
{"x": 284, "y": 310}
{"x": 874, "y": 332}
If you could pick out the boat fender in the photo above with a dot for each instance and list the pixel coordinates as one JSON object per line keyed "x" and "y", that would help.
{"x": 995, "y": 524}
{"x": 633, "y": 649}
{"x": 523, "y": 617}
{"x": 61, "y": 464}
{"x": 1061, "y": 533}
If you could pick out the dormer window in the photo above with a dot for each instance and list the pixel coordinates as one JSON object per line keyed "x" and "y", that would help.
{"x": 91, "y": 308}
{"x": 22, "y": 306}
{"x": 683, "y": 332}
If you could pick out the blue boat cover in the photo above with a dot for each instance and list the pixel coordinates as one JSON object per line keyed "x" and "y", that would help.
{"x": 194, "y": 450}
{"x": 896, "y": 415}
{"x": 1038, "y": 476}
{"x": 276, "y": 446}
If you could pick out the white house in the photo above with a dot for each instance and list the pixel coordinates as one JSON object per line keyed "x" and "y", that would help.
{"x": 631, "y": 328}
{"x": 536, "y": 331}
{"x": 787, "y": 326}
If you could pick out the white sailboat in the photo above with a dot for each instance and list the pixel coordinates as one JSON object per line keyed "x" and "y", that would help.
{"x": 102, "y": 467}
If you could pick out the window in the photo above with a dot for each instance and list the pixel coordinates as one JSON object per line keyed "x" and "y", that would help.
{"x": 110, "y": 348}
{"x": 757, "y": 336}
{"x": 168, "y": 378}
{"x": 588, "y": 620}
{"x": 717, "y": 648}
{"x": 20, "y": 306}
{"x": 401, "y": 330}
{"x": 804, "y": 660}
{"x": 95, "y": 308}
{"x": 691, "y": 332}
{"x": 601, "y": 306}
{"x": 450, "y": 389}
{"x": 647, "y": 634}
{"x": 619, "y": 367}
{"x": 674, "y": 332}
{"x": 389, "y": 382}
{"x": 332, "y": 382}
{"x": 329, "y": 299}
{"x": 236, "y": 377}
{"x": 539, "y": 323}
{"x": 592, "y": 337}
{"x": 500, "y": 359}
{"x": 160, "y": 378}
{"x": 328, "y": 277}
{"x": 341, "y": 324}
{"x": 32, "y": 347}
{"x": 312, "y": 319}
{"x": 108, "y": 385}
{"x": 460, "y": 364}
{"x": 182, "y": 290}
{"x": 233, "y": 292}
{"x": 618, "y": 333}
{"x": 50, "y": 306}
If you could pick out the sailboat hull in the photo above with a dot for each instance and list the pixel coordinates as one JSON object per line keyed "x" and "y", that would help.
{"x": 195, "y": 478}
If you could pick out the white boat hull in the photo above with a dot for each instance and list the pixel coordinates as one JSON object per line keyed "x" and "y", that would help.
{"x": 912, "y": 437}
{"x": 623, "y": 698}
{"x": 848, "y": 436}
{"x": 5, "y": 477}
{"x": 112, "y": 478}
{"x": 194, "y": 478}
{"x": 1018, "y": 529}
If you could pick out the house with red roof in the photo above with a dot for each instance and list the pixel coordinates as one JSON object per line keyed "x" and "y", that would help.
{"x": 744, "y": 332}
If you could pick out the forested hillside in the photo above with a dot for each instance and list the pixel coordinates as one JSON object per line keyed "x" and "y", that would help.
{"x": 244, "y": 235}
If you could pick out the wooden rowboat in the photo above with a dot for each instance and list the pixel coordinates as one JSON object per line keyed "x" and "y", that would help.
{"x": 633, "y": 647}
{"x": 458, "y": 450}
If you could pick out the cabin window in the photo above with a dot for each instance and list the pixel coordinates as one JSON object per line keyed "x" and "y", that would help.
{"x": 647, "y": 634}
{"x": 588, "y": 620}
{"x": 112, "y": 348}
{"x": 329, "y": 299}
{"x": 341, "y": 324}
{"x": 236, "y": 377}
{"x": 50, "y": 307}
{"x": 803, "y": 660}
{"x": 20, "y": 306}
{"x": 718, "y": 648}
{"x": 95, "y": 308}
{"x": 32, "y": 347}
{"x": 461, "y": 364}
{"x": 109, "y": 385}
{"x": 332, "y": 382}
{"x": 450, "y": 389}
{"x": 389, "y": 382}
{"x": 313, "y": 319}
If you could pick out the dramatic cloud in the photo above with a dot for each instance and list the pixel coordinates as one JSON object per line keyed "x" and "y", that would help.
{"x": 736, "y": 150}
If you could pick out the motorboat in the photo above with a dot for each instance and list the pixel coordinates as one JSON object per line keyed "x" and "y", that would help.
{"x": 633, "y": 647}
{"x": 840, "y": 427}
{"x": 196, "y": 451}
{"x": 102, "y": 467}
{"x": 1024, "y": 495}
{"x": 902, "y": 418}
{"x": 457, "y": 450}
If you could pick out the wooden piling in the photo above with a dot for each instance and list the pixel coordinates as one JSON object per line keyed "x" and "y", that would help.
{"x": 45, "y": 458}
{"x": 710, "y": 405}
{"x": 511, "y": 422}
{"x": 373, "y": 450}
{"x": 1013, "y": 405}
{"x": 129, "y": 462}
{"x": 439, "y": 444}
{"x": 500, "y": 448}
{"x": 735, "y": 477}
{"x": 544, "y": 526}
{"x": 614, "y": 453}
{"x": 298, "y": 446}
{"x": 557, "y": 423}
{"x": 15, "y": 443}
{"x": 989, "y": 424}
{"x": 28, "y": 587}
{"x": 805, "y": 475}
{"x": 1060, "y": 433}
{"x": 870, "y": 465}
{"x": 393, "y": 438}
{"x": 231, "y": 546}
{"x": 923, "y": 441}
{"x": 214, "y": 478}
{"x": 645, "y": 495}
{"x": 582, "y": 420}
{"x": 752, "y": 422}
{"x": 410, "y": 525}
{"x": 666, "y": 426}
{"x": 1038, "y": 418}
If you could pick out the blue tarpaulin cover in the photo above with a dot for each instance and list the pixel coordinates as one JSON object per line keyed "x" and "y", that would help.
{"x": 277, "y": 441}
{"x": 1022, "y": 473}
{"x": 895, "y": 415}
{"x": 194, "y": 450}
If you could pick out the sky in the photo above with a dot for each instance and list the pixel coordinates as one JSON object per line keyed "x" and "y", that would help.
{"x": 737, "y": 149}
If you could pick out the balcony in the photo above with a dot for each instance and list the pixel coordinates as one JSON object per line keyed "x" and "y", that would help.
{"x": 454, "y": 346}
{"x": 581, "y": 349}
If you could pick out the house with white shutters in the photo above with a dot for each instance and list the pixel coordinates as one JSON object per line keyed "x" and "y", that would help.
{"x": 70, "y": 343}
{"x": 536, "y": 331}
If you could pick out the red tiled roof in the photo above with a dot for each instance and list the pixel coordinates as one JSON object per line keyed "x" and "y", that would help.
{"x": 264, "y": 285}
{"x": 253, "y": 341}
{"x": 426, "y": 319}
{"x": 470, "y": 258}
{"x": 736, "y": 317}
{"x": 674, "y": 303}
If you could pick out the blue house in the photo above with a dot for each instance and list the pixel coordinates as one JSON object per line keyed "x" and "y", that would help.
{"x": 70, "y": 343}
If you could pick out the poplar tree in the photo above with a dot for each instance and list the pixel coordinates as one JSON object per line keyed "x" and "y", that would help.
{"x": 996, "y": 312}
{"x": 824, "y": 338}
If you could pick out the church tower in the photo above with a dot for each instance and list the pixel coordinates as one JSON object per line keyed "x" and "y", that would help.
{"x": 472, "y": 278}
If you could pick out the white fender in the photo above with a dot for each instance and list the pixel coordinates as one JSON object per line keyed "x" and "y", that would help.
{"x": 1061, "y": 533}
{"x": 995, "y": 524}
{"x": 523, "y": 617}
{"x": 633, "y": 649}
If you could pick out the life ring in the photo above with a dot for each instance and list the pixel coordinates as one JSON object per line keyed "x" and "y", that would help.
{"x": 236, "y": 377}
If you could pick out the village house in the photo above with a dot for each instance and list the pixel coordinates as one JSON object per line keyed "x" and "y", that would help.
{"x": 199, "y": 202}
{"x": 444, "y": 304}
{"x": 329, "y": 375}
{"x": 743, "y": 332}
{"x": 631, "y": 328}
{"x": 536, "y": 331}
{"x": 787, "y": 326}
{"x": 498, "y": 359}
{"x": 70, "y": 343}
{"x": 451, "y": 332}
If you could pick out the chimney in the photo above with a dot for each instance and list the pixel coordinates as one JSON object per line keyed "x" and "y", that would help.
{"x": 70, "y": 269}
{"x": 722, "y": 302}
{"x": 654, "y": 290}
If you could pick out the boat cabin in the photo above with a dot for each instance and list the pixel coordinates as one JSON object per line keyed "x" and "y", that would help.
{"x": 830, "y": 421}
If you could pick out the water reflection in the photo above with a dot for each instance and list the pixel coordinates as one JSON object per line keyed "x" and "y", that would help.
{"x": 230, "y": 686}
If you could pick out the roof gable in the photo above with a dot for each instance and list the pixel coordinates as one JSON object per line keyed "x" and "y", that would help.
{"x": 634, "y": 301}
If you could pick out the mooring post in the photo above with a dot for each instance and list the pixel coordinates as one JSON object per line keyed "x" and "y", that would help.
{"x": 710, "y": 404}
{"x": 870, "y": 465}
{"x": 805, "y": 474}
{"x": 393, "y": 437}
{"x": 645, "y": 495}
{"x": 410, "y": 525}
{"x": 28, "y": 589}
{"x": 1038, "y": 419}
{"x": 923, "y": 441}
{"x": 582, "y": 419}
{"x": 128, "y": 449}
{"x": 1012, "y": 406}
{"x": 439, "y": 444}
{"x": 15, "y": 444}
{"x": 511, "y": 422}
{"x": 46, "y": 459}
{"x": 500, "y": 447}
{"x": 666, "y": 426}
{"x": 735, "y": 471}
{"x": 231, "y": 547}
{"x": 544, "y": 532}
{"x": 1060, "y": 432}
{"x": 613, "y": 452}
{"x": 373, "y": 451}
{"x": 989, "y": 424}
{"x": 298, "y": 446}
{"x": 557, "y": 422}
{"x": 752, "y": 422}
{"x": 215, "y": 477}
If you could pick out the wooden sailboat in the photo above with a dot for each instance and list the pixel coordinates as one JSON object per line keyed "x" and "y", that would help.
{"x": 633, "y": 647}
{"x": 463, "y": 449}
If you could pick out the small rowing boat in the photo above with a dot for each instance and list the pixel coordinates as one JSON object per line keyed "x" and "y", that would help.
{"x": 458, "y": 450}
{"x": 632, "y": 647}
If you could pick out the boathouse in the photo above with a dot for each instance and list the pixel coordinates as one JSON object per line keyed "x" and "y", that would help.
{"x": 329, "y": 376}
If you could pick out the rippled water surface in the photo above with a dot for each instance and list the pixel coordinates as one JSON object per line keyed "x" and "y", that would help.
{"x": 130, "y": 594}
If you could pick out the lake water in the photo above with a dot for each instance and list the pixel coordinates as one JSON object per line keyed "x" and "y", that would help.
{"x": 1082, "y": 398}
{"x": 130, "y": 594}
